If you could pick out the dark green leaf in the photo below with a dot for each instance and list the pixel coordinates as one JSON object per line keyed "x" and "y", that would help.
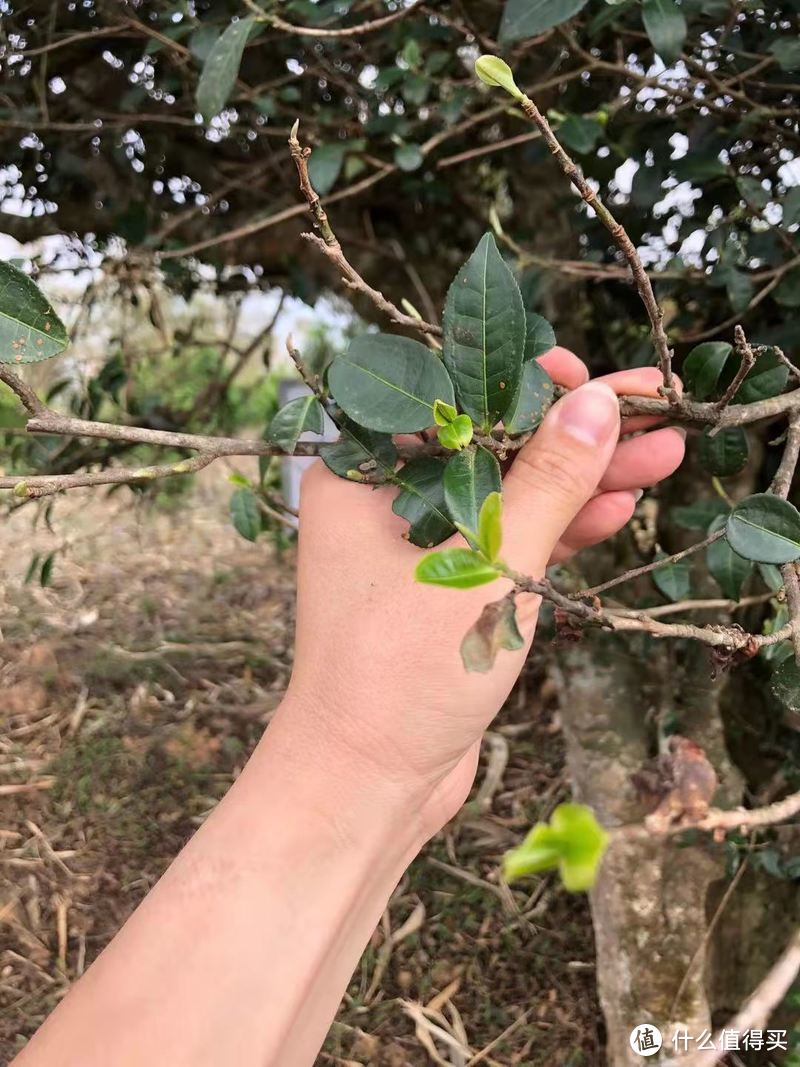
{"x": 539, "y": 335}
{"x": 469, "y": 478}
{"x": 266, "y": 105}
{"x": 787, "y": 52}
{"x": 674, "y": 580}
{"x": 767, "y": 378}
{"x": 771, "y": 576}
{"x": 264, "y": 463}
{"x": 484, "y": 334}
{"x": 421, "y": 502}
{"x": 301, "y": 415}
{"x": 389, "y": 383}
{"x": 788, "y": 292}
{"x": 607, "y": 14}
{"x": 29, "y": 328}
{"x": 245, "y": 514}
{"x": 785, "y": 683}
{"x": 646, "y": 186}
{"x": 456, "y": 568}
{"x": 526, "y": 18}
{"x": 409, "y": 157}
{"x": 452, "y": 105}
{"x": 46, "y": 573}
{"x": 725, "y": 453}
{"x": 496, "y": 628}
{"x": 739, "y": 288}
{"x": 221, "y": 68}
{"x": 778, "y": 652}
{"x": 202, "y": 41}
{"x": 699, "y": 515}
{"x": 360, "y": 453}
{"x": 573, "y": 841}
{"x": 699, "y": 167}
{"x": 728, "y": 569}
{"x": 415, "y": 89}
{"x": 666, "y": 27}
{"x": 580, "y": 133}
{"x": 325, "y": 166}
{"x": 388, "y": 77}
{"x": 33, "y": 567}
{"x": 703, "y": 367}
{"x": 534, "y": 396}
{"x": 412, "y": 53}
{"x": 753, "y": 192}
{"x": 765, "y": 528}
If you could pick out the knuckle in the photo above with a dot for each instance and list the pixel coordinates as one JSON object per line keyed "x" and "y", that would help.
{"x": 551, "y": 470}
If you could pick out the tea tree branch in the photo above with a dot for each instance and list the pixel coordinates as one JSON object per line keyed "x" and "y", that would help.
{"x": 722, "y": 820}
{"x": 328, "y": 244}
{"x": 347, "y": 31}
{"x": 781, "y": 484}
{"x": 635, "y": 572}
{"x": 680, "y": 606}
{"x": 728, "y": 637}
{"x": 640, "y": 276}
{"x": 747, "y": 362}
{"x": 30, "y": 401}
{"x": 31, "y": 487}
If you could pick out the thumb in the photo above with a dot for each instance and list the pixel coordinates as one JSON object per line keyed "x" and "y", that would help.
{"x": 556, "y": 473}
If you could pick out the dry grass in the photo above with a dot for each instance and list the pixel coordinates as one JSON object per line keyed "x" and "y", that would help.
{"x": 134, "y": 688}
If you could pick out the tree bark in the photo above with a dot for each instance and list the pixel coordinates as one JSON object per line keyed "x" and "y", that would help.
{"x": 649, "y": 903}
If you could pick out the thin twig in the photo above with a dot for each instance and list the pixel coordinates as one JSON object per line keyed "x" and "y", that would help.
{"x": 346, "y": 31}
{"x": 311, "y": 380}
{"x": 731, "y": 638}
{"x": 794, "y": 371}
{"x": 30, "y": 401}
{"x": 33, "y": 486}
{"x": 329, "y": 245}
{"x": 747, "y": 361}
{"x": 720, "y": 819}
{"x": 700, "y": 951}
{"x": 635, "y": 572}
{"x": 781, "y": 484}
{"x": 693, "y": 605}
{"x": 641, "y": 279}
{"x": 757, "y": 1009}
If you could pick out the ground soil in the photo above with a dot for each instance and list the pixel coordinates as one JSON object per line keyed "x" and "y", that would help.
{"x": 133, "y": 688}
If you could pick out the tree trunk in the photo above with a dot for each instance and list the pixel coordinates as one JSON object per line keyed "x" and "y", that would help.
{"x": 649, "y": 904}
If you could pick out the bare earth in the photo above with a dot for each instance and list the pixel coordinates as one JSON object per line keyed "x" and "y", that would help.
{"x": 133, "y": 689}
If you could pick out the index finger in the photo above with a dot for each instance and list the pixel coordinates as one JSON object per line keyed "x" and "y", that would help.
{"x": 564, "y": 367}
{"x": 638, "y": 381}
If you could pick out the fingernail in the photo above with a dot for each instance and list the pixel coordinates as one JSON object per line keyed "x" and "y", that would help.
{"x": 637, "y": 494}
{"x": 589, "y": 414}
{"x": 680, "y": 431}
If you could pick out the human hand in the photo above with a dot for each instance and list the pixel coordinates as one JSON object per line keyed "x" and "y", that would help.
{"x": 372, "y": 750}
{"x": 377, "y": 666}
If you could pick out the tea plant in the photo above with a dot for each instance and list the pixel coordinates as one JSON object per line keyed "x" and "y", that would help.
{"x": 438, "y": 419}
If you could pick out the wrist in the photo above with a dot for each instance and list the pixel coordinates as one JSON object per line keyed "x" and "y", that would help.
{"x": 350, "y": 796}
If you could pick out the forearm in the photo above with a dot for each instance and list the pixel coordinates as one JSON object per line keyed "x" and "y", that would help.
{"x": 242, "y": 952}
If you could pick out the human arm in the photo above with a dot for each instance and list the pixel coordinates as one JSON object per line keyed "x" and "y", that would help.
{"x": 241, "y": 953}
